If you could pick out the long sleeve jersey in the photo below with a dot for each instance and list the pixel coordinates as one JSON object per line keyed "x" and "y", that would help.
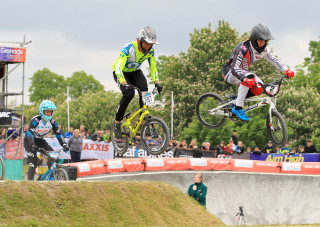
{"x": 130, "y": 60}
{"x": 38, "y": 129}
{"x": 244, "y": 55}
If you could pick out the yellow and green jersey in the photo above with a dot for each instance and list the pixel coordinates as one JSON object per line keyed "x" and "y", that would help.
{"x": 130, "y": 60}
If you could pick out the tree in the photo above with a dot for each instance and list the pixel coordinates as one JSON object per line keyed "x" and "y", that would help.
{"x": 45, "y": 85}
{"x": 80, "y": 83}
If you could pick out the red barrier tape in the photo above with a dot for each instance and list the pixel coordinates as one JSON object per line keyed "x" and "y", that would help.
{"x": 165, "y": 164}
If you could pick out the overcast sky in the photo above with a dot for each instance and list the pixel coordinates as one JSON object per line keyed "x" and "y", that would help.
{"x": 74, "y": 35}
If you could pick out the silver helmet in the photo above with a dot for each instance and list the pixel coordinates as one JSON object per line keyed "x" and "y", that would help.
{"x": 148, "y": 35}
{"x": 260, "y": 32}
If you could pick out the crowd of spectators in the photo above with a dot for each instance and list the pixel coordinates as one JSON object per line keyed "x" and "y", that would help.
{"x": 236, "y": 146}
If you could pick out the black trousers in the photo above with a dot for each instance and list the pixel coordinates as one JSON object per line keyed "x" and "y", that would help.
{"x": 75, "y": 156}
{"x": 136, "y": 79}
{"x": 33, "y": 160}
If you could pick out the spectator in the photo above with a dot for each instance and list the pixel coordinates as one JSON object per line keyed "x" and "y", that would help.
{"x": 106, "y": 137}
{"x": 75, "y": 144}
{"x": 184, "y": 144}
{"x": 286, "y": 149}
{"x": 249, "y": 149}
{"x": 177, "y": 143}
{"x": 97, "y": 136}
{"x": 240, "y": 148}
{"x": 69, "y": 133}
{"x": 81, "y": 129}
{"x": 301, "y": 149}
{"x": 87, "y": 135}
{"x": 268, "y": 148}
{"x": 83, "y": 135}
{"x": 207, "y": 147}
{"x": 173, "y": 142}
{"x": 150, "y": 141}
{"x": 231, "y": 146}
{"x": 234, "y": 137}
{"x": 60, "y": 130}
{"x": 256, "y": 150}
{"x": 193, "y": 144}
{"x": 198, "y": 191}
{"x": 12, "y": 131}
{"x": 293, "y": 150}
{"x": 3, "y": 134}
{"x": 309, "y": 148}
{"x": 159, "y": 140}
{"x": 278, "y": 150}
{"x": 223, "y": 149}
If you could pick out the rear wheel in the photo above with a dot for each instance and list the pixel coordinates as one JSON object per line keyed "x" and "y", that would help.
{"x": 277, "y": 130}
{"x": 60, "y": 174}
{"x": 2, "y": 169}
{"x": 120, "y": 145}
{"x": 155, "y": 136}
{"x": 204, "y": 104}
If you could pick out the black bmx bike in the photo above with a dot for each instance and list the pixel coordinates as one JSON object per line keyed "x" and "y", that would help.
{"x": 213, "y": 111}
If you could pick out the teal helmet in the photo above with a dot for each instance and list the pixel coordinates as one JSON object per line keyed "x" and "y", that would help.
{"x": 46, "y": 105}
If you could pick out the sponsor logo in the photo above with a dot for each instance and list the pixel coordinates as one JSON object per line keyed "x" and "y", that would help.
{"x": 244, "y": 163}
{"x": 84, "y": 167}
{"x": 198, "y": 162}
{"x": 292, "y": 166}
{"x": 155, "y": 162}
{"x": 115, "y": 164}
{"x": 11, "y": 51}
{"x": 244, "y": 48}
{"x": 5, "y": 114}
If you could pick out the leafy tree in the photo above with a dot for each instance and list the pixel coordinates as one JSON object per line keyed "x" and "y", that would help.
{"x": 80, "y": 83}
{"x": 45, "y": 85}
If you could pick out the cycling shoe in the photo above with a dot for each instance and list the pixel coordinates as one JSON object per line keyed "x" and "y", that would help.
{"x": 242, "y": 116}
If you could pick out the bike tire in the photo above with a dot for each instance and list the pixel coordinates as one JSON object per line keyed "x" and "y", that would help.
{"x": 120, "y": 146}
{"x": 2, "y": 169}
{"x": 60, "y": 175}
{"x": 206, "y": 102}
{"x": 280, "y": 134}
{"x": 162, "y": 130}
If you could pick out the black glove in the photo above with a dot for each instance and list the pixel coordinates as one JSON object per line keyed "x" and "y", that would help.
{"x": 35, "y": 148}
{"x": 159, "y": 87}
{"x": 65, "y": 147}
{"x": 129, "y": 87}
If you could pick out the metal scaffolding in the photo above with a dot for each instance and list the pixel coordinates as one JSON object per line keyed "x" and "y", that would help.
{"x": 10, "y": 61}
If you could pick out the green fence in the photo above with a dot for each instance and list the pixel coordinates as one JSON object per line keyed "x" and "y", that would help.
{"x": 13, "y": 169}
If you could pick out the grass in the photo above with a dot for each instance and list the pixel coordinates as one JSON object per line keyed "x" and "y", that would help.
{"x": 99, "y": 203}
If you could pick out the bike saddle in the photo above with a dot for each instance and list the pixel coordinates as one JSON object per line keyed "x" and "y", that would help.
{"x": 231, "y": 96}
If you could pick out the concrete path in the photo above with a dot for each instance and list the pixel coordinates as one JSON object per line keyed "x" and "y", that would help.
{"x": 266, "y": 198}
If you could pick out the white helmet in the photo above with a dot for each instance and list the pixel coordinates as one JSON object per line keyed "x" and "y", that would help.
{"x": 148, "y": 35}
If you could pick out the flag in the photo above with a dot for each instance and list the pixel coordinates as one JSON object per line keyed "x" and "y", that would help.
{"x": 172, "y": 106}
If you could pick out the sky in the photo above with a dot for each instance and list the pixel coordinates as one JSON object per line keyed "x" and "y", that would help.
{"x": 74, "y": 35}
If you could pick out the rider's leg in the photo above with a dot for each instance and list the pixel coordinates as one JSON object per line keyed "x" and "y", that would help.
{"x": 140, "y": 81}
{"x": 127, "y": 96}
{"x": 43, "y": 144}
{"x": 32, "y": 160}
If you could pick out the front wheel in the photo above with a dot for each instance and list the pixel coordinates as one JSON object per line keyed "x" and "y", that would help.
{"x": 120, "y": 145}
{"x": 207, "y": 117}
{"x": 2, "y": 169}
{"x": 277, "y": 129}
{"x": 155, "y": 136}
{"x": 60, "y": 174}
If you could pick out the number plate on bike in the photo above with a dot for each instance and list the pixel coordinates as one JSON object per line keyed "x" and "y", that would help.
{"x": 272, "y": 89}
{"x": 148, "y": 98}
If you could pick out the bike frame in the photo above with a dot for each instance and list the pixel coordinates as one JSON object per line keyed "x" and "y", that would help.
{"x": 48, "y": 174}
{"x": 127, "y": 124}
{"x": 261, "y": 102}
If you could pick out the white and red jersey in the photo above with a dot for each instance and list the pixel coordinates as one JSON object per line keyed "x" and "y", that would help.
{"x": 244, "y": 55}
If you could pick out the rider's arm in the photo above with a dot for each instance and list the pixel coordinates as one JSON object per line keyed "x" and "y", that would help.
{"x": 57, "y": 132}
{"x": 153, "y": 68}
{"x": 120, "y": 64}
{"x": 30, "y": 133}
{"x": 238, "y": 54}
{"x": 275, "y": 61}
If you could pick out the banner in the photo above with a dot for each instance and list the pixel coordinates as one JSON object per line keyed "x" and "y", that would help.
{"x": 193, "y": 153}
{"x": 10, "y": 54}
{"x": 5, "y": 117}
{"x": 137, "y": 151}
{"x": 90, "y": 149}
{"x": 10, "y": 150}
{"x": 286, "y": 158}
